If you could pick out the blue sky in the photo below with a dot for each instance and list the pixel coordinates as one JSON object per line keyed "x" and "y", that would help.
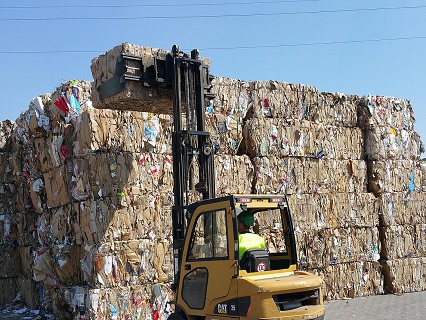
{"x": 344, "y": 46}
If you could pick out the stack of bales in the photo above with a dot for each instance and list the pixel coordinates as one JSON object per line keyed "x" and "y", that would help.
{"x": 88, "y": 221}
{"x": 98, "y": 188}
{"x": 9, "y": 254}
{"x": 86, "y": 194}
{"x": 307, "y": 144}
{"x": 394, "y": 174}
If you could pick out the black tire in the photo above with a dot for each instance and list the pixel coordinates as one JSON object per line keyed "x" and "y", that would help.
{"x": 177, "y": 316}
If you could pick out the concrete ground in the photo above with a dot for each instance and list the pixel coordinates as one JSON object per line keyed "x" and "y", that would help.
{"x": 388, "y": 307}
{"x": 408, "y": 306}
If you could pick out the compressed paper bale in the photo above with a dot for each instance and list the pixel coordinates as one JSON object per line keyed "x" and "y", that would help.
{"x": 55, "y": 182}
{"x": 384, "y": 111}
{"x": 26, "y": 263}
{"x": 29, "y": 291}
{"x": 350, "y": 280}
{"x": 137, "y": 302}
{"x": 226, "y": 132}
{"x": 233, "y": 174}
{"x": 297, "y": 101}
{"x": 306, "y": 175}
{"x": 402, "y": 241}
{"x": 402, "y": 208}
{"x": 77, "y": 94}
{"x": 422, "y": 165}
{"x": 278, "y": 137}
{"x": 405, "y": 275}
{"x": 130, "y": 263}
{"x": 10, "y": 262}
{"x": 393, "y": 176}
{"x": 125, "y": 131}
{"x": 108, "y": 220}
{"x": 318, "y": 211}
{"x": 336, "y": 109}
{"x": 112, "y": 174}
{"x": 133, "y": 96}
{"x": 8, "y": 290}
{"x": 233, "y": 97}
{"x": 58, "y": 264}
{"x": 99, "y": 174}
{"x": 281, "y": 137}
{"x": 382, "y": 143}
{"x": 6, "y": 128}
{"x": 324, "y": 247}
{"x": 282, "y": 100}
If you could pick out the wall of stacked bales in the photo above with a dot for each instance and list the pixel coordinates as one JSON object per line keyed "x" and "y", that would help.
{"x": 86, "y": 194}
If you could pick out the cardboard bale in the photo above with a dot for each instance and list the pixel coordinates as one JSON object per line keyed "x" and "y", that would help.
{"x": 279, "y": 137}
{"x": 26, "y": 261}
{"x": 381, "y": 111}
{"x": 68, "y": 101}
{"x": 6, "y": 128}
{"x": 10, "y": 262}
{"x": 133, "y": 95}
{"x": 233, "y": 97}
{"x": 306, "y": 175}
{"x": 30, "y": 292}
{"x": 318, "y": 211}
{"x": 393, "y": 176}
{"x": 350, "y": 280}
{"x": 233, "y": 174}
{"x": 121, "y": 263}
{"x": 403, "y": 241}
{"x": 274, "y": 99}
{"x": 282, "y": 100}
{"x": 122, "y": 174}
{"x": 324, "y": 247}
{"x": 402, "y": 208}
{"x": 422, "y": 165}
{"x": 382, "y": 143}
{"x": 335, "y": 109}
{"x": 58, "y": 264}
{"x": 226, "y": 132}
{"x": 8, "y": 290}
{"x": 405, "y": 275}
{"x": 138, "y": 302}
{"x": 122, "y": 130}
{"x": 49, "y": 155}
{"x": 56, "y": 184}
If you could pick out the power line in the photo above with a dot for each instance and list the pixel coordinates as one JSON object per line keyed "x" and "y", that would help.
{"x": 217, "y": 16}
{"x": 50, "y": 51}
{"x": 313, "y": 43}
{"x": 239, "y": 47}
{"x": 159, "y": 5}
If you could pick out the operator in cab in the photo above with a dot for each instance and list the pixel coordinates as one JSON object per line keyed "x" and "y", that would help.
{"x": 247, "y": 239}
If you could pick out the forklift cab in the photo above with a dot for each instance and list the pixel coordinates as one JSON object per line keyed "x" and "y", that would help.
{"x": 210, "y": 262}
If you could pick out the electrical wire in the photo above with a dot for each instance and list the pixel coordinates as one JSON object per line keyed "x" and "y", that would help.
{"x": 312, "y": 43}
{"x": 218, "y": 16}
{"x": 159, "y": 5}
{"x": 324, "y": 43}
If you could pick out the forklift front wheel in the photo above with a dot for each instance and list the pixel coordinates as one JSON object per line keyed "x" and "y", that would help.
{"x": 176, "y": 316}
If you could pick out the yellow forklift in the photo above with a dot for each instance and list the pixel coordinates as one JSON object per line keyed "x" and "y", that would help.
{"x": 210, "y": 279}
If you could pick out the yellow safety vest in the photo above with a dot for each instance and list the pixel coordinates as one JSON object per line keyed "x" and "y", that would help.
{"x": 250, "y": 241}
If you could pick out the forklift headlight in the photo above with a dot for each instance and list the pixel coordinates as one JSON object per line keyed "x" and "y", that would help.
{"x": 207, "y": 149}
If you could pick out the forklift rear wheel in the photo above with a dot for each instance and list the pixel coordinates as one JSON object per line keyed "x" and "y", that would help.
{"x": 176, "y": 316}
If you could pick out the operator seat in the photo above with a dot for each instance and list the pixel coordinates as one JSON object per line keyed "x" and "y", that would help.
{"x": 255, "y": 260}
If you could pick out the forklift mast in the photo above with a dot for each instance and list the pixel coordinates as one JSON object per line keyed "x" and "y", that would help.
{"x": 193, "y": 167}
